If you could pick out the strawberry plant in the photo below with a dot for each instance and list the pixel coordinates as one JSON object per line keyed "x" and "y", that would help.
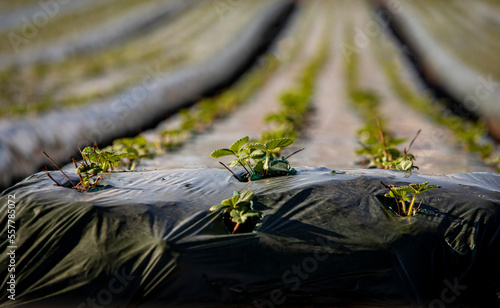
{"x": 95, "y": 164}
{"x": 404, "y": 194}
{"x": 237, "y": 211}
{"x": 131, "y": 150}
{"x": 296, "y": 103}
{"x": 471, "y": 135}
{"x": 259, "y": 160}
{"x": 382, "y": 152}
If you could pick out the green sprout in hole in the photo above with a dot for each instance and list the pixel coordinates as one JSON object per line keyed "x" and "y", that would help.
{"x": 95, "y": 165}
{"x": 239, "y": 210}
{"x": 258, "y": 159}
{"x": 403, "y": 194}
{"x": 382, "y": 152}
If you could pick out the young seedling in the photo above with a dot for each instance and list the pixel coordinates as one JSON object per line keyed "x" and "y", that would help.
{"x": 239, "y": 210}
{"x": 85, "y": 183}
{"x": 131, "y": 151}
{"x": 95, "y": 165}
{"x": 383, "y": 154}
{"x": 239, "y": 150}
{"x": 404, "y": 193}
{"x": 258, "y": 158}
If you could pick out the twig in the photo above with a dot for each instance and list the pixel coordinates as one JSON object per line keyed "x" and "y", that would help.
{"x": 382, "y": 138}
{"x": 236, "y": 227}
{"x": 244, "y": 167}
{"x": 50, "y": 177}
{"x": 58, "y": 168}
{"x": 76, "y": 167}
{"x": 406, "y": 150}
{"x": 229, "y": 170}
{"x": 299, "y": 150}
{"x": 418, "y": 206}
{"x": 83, "y": 157}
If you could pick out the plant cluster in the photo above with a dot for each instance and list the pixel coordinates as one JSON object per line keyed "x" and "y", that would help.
{"x": 471, "y": 135}
{"x": 378, "y": 145}
{"x": 295, "y": 103}
{"x": 407, "y": 193}
{"x": 197, "y": 118}
{"x": 260, "y": 160}
{"x": 207, "y": 110}
{"x": 381, "y": 151}
{"x": 94, "y": 163}
{"x": 131, "y": 151}
{"x": 238, "y": 210}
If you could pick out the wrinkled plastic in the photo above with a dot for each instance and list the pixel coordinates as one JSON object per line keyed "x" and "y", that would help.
{"x": 147, "y": 239}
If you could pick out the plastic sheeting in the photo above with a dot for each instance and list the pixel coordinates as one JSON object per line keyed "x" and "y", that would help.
{"x": 110, "y": 33}
{"x": 442, "y": 69}
{"x": 22, "y": 140}
{"x": 147, "y": 239}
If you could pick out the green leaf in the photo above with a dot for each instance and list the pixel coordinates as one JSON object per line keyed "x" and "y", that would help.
{"x": 235, "y": 216}
{"x": 278, "y": 143}
{"x": 221, "y": 152}
{"x": 116, "y": 157}
{"x": 256, "y": 145}
{"x": 251, "y": 215}
{"x": 219, "y": 207}
{"x": 228, "y": 202}
{"x": 257, "y": 154}
{"x": 401, "y": 193}
{"x": 234, "y": 200}
{"x": 405, "y": 165}
{"x": 82, "y": 169}
{"x": 259, "y": 167}
{"x": 131, "y": 153}
{"x": 246, "y": 196}
{"x": 238, "y": 145}
{"x": 235, "y": 162}
{"x": 420, "y": 188}
{"x": 88, "y": 151}
{"x": 139, "y": 141}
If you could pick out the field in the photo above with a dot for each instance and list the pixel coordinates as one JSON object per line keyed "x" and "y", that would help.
{"x": 118, "y": 98}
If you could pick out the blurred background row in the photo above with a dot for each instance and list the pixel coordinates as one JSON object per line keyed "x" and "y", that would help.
{"x": 180, "y": 79}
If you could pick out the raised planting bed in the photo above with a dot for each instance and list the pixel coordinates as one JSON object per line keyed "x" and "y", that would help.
{"x": 325, "y": 237}
{"x": 464, "y": 79}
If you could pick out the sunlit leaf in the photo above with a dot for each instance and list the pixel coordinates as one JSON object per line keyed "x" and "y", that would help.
{"x": 238, "y": 145}
{"x": 278, "y": 143}
{"x": 221, "y": 152}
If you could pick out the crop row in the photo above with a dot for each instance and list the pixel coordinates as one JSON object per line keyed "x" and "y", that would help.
{"x": 83, "y": 78}
{"x": 472, "y": 136}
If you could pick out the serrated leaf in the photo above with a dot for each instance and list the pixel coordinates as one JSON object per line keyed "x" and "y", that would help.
{"x": 256, "y": 145}
{"x": 420, "y": 188}
{"x": 228, "y": 202}
{"x": 238, "y": 145}
{"x": 401, "y": 193}
{"x": 88, "y": 151}
{"x": 234, "y": 163}
{"x": 246, "y": 196}
{"x": 278, "y": 143}
{"x": 221, "y": 152}
{"x": 257, "y": 154}
{"x": 405, "y": 165}
{"x": 235, "y": 199}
